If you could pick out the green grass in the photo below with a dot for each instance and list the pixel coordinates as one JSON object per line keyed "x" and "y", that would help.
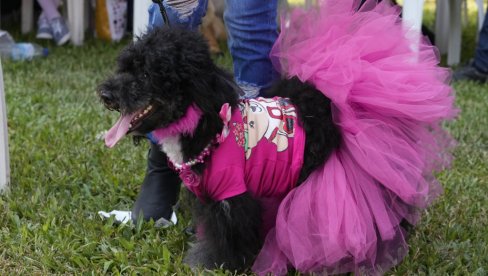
{"x": 62, "y": 175}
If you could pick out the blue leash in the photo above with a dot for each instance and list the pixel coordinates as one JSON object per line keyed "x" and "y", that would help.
{"x": 163, "y": 12}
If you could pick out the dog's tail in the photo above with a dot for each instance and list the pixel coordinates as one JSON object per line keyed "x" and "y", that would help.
{"x": 389, "y": 101}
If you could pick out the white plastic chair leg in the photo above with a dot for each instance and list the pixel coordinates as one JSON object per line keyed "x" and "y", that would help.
{"x": 464, "y": 13}
{"x": 76, "y": 17}
{"x": 412, "y": 14}
{"x": 442, "y": 25}
{"x": 4, "y": 154}
{"x": 141, "y": 17}
{"x": 27, "y": 16}
{"x": 454, "y": 43}
{"x": 412, "y": 20}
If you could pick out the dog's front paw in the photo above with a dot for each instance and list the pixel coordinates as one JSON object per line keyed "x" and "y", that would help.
{"x": 199, "y": 256}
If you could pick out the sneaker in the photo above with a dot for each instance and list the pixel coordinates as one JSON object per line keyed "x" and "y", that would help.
{"x": 60, "y": 30}
{"x": 43, "y": 29}
{"x": 470, "y": 72}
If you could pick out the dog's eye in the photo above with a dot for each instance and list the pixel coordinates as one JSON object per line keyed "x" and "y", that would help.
{"x": 145, "y": 75}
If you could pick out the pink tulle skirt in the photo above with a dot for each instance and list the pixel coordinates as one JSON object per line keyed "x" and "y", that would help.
{"x": 389, "y": 101}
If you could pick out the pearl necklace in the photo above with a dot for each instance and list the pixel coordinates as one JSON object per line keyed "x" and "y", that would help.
{"x": 186, "y": 165}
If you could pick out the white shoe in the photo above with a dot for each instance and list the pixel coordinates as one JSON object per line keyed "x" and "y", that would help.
{"x": 59, "y": 30}
{"x": 43, "y": 29}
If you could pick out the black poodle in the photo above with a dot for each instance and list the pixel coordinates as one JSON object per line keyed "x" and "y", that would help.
{"x": 168, "y": 72}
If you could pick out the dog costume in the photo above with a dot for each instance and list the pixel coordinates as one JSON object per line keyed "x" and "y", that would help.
{"x": 389, "y": 101}
{"x": 259, "y": 151}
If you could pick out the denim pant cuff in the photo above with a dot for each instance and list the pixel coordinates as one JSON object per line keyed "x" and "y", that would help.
{"x": 250, "y": 90}
{"x": 480, "y": 67}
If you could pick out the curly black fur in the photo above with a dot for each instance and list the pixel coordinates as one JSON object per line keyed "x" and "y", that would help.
{"x": 231, "y": 233}
{"x": 315, "y": 116}
{"x": 171, "y": 69}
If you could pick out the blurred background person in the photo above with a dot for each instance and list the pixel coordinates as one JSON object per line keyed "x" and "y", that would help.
{"x": 51, "y": 25}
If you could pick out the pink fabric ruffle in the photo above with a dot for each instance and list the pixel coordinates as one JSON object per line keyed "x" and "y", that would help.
{"x": 186, "y": 125}
{"x": 389, "y": 102}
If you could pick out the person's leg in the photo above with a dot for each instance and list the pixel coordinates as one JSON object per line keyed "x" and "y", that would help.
{"x": 160, "y": 189}
{"x": 43, "y": 28}
{"x": 42, "y": 16}
{"x": 59, "y": 28}
{"x": 252, "y": 30}
{"x": 477, "y": 70}
{"x": 481, "y": 54}
{"x": 49, "y": 8}
{"x": 185, "y": 14}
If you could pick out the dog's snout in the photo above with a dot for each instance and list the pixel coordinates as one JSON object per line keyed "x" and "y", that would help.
{"x": 106, "y": 96}
{"x": 109, "y": 100}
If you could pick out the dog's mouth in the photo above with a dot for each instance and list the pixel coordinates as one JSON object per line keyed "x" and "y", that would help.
{"x": 136, "y": 121}
{"x": 126, "y": 124}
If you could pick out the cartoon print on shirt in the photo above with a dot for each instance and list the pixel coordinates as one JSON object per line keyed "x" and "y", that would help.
{"x": 272, "y": 119}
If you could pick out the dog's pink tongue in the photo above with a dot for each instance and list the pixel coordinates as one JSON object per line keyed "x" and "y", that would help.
{"x": 118, "y": 130}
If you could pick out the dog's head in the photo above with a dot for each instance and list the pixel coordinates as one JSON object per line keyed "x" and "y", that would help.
{"x": 158, "y": 77}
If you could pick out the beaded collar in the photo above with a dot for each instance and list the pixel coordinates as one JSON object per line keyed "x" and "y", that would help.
{"x": 178, "y": 167}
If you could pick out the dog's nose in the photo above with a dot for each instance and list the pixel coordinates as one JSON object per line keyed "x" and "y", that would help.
{"x": 109, "y": 100}
{"x": 106, "y": 97}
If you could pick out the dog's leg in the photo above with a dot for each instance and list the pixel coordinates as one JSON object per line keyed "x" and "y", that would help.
{"x": 228, "y": 234}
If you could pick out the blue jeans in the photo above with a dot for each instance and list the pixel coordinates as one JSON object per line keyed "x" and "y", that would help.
{"x": 252, "y": 31}
{"x": 190, "y": 22}
{"x": 481, "y": 54}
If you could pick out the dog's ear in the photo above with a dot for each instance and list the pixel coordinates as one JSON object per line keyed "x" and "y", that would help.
{"x": 213, "y": 92}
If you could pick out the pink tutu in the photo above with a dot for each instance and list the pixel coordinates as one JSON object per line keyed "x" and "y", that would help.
{"x": 389, "y": 102}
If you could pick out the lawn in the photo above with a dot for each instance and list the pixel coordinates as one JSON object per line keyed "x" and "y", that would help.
{"x": 62, "y": 174}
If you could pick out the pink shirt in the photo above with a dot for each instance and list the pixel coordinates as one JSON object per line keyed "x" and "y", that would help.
{"x": 262, "y": 153}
